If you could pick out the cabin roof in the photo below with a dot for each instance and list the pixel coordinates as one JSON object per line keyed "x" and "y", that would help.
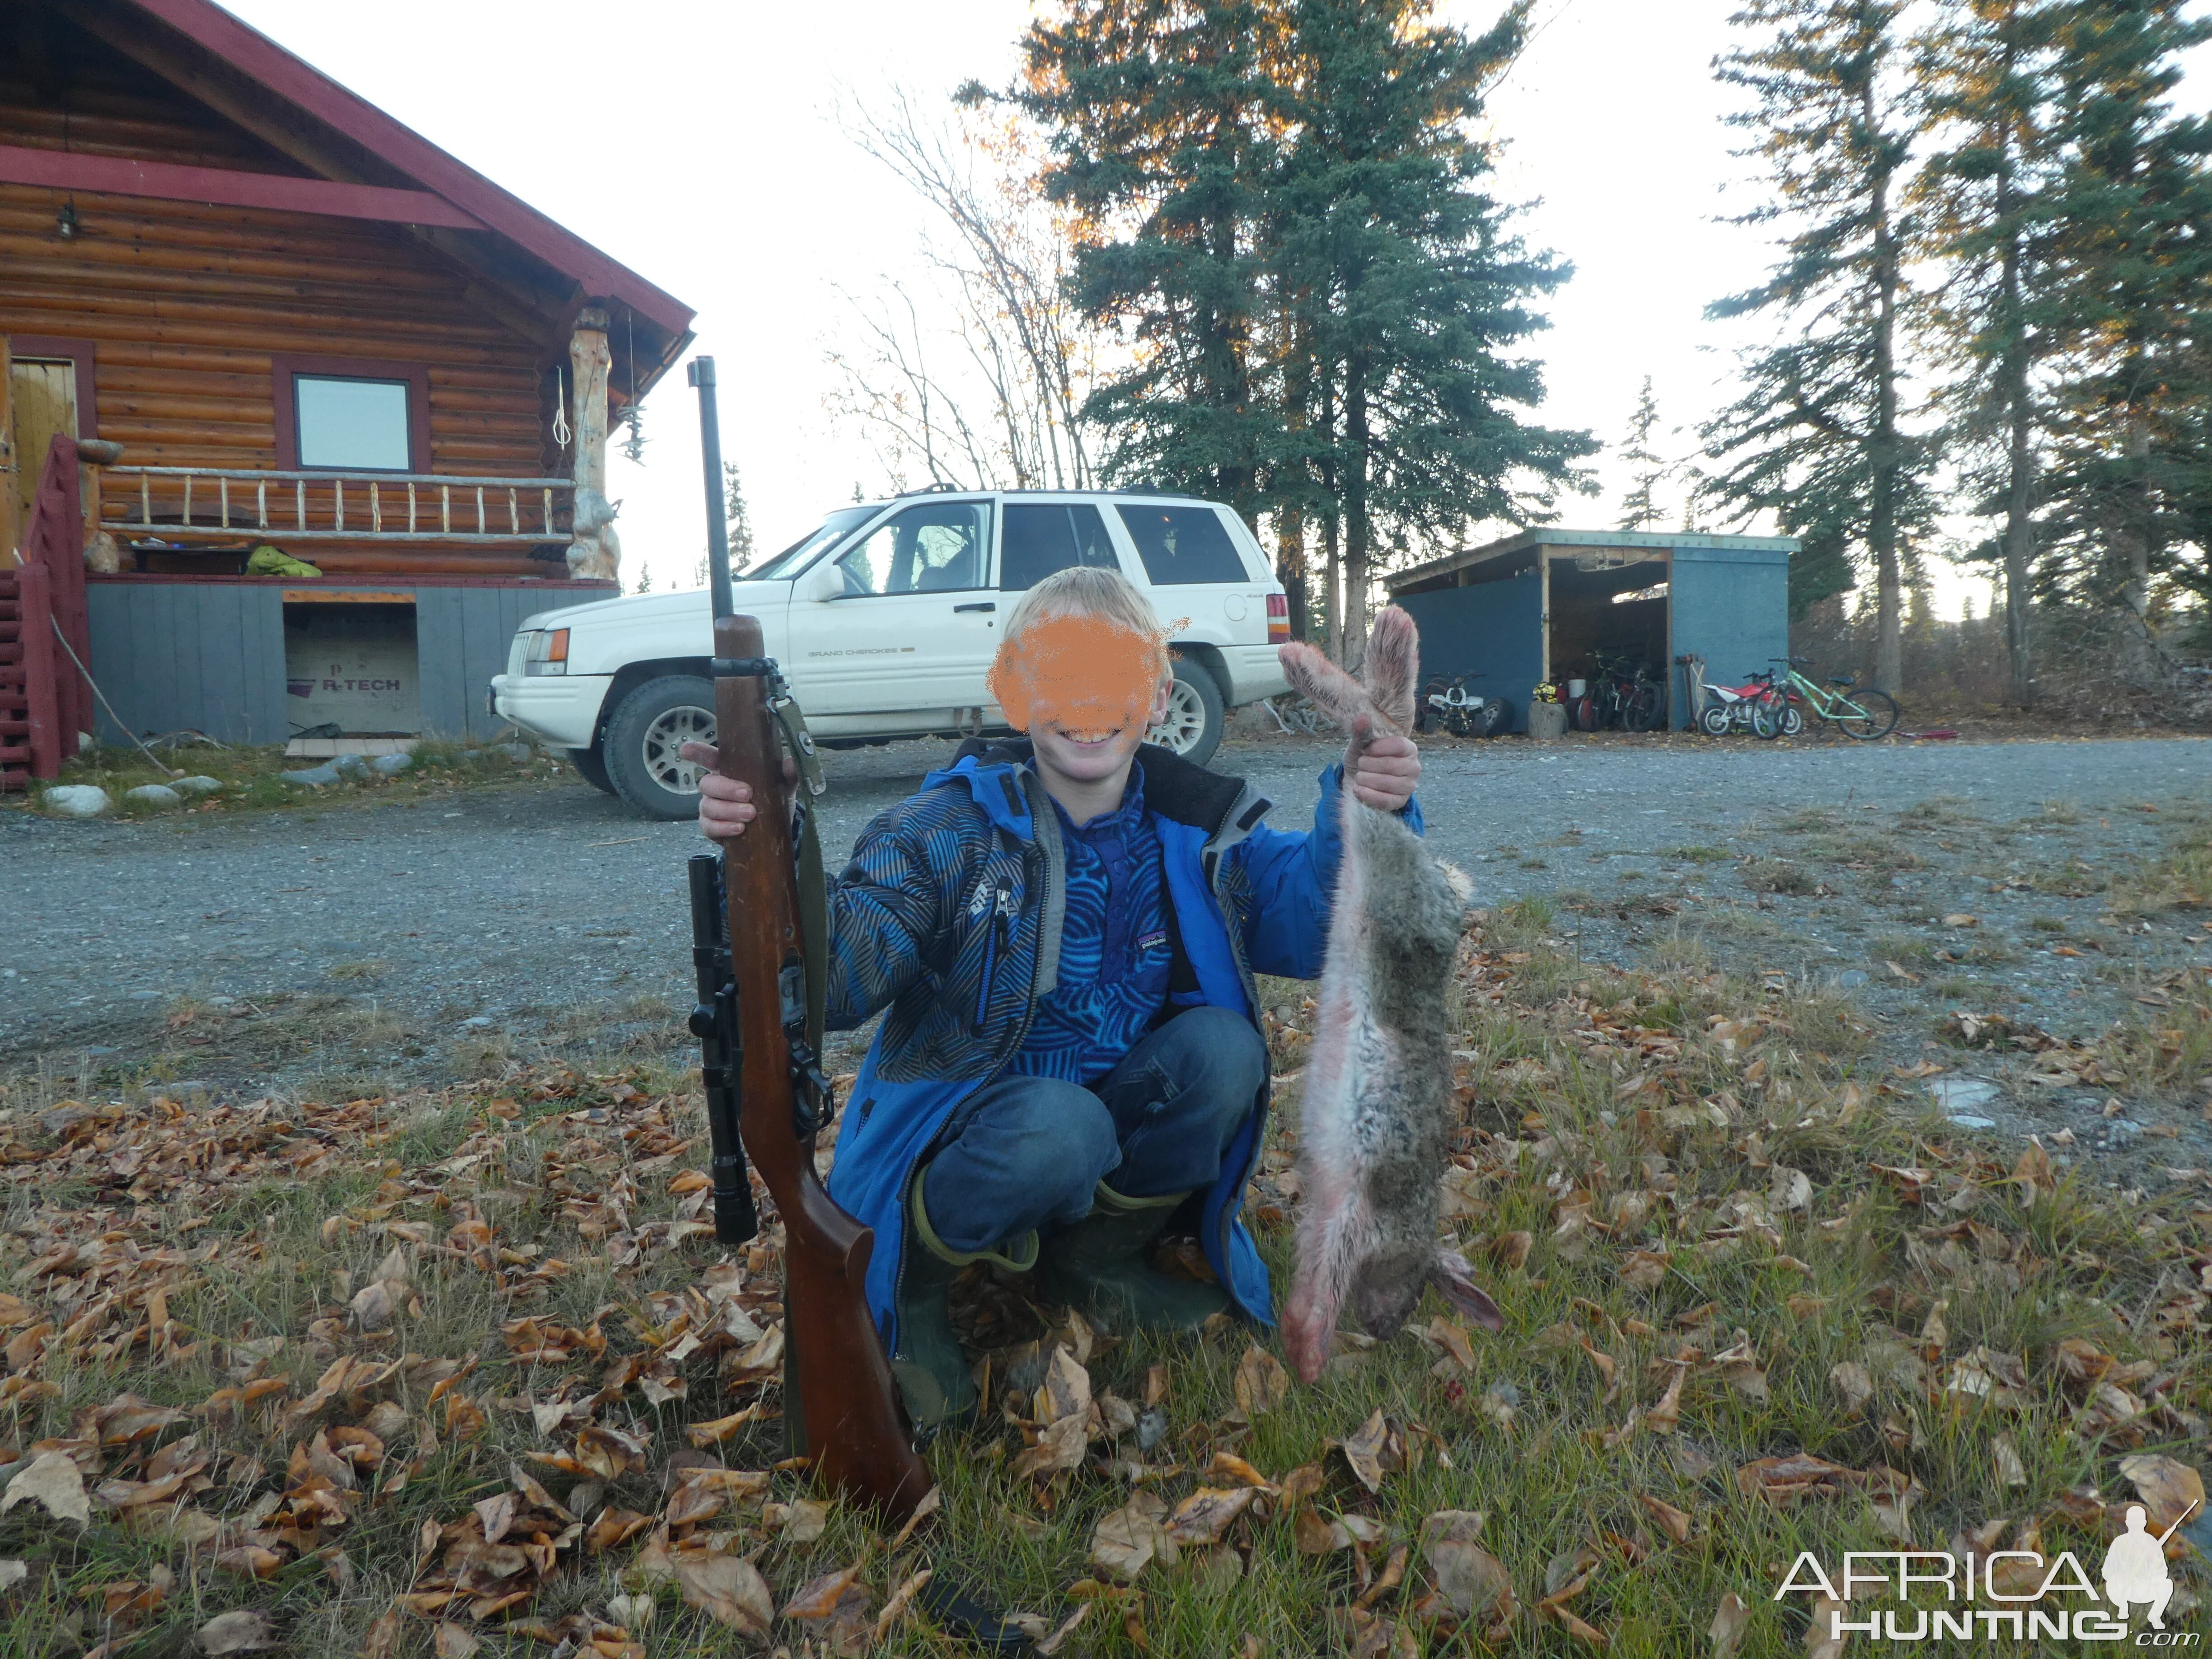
{"x": 337, "y": 135}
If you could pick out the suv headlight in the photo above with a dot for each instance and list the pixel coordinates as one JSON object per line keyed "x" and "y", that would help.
{"x": 548, "y": 652}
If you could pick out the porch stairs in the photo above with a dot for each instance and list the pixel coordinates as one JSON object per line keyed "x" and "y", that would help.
{"x": 43, "y": 700}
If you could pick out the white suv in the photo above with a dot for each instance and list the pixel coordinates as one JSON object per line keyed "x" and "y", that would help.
{"x": 886, "y": 619}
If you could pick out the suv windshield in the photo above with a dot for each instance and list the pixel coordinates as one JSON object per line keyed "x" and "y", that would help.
{"x": 831, "y": 529}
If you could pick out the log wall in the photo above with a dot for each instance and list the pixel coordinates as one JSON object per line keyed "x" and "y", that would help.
{"x": 186, "y": 305}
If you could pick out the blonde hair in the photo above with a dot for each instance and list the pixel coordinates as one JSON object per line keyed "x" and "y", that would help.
{"x": 1084, "y": 590}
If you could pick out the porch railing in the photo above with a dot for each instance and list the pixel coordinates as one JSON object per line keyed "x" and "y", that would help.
{"x": 197, "y": 502}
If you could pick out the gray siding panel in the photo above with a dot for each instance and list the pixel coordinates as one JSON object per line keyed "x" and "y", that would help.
{"x": 440, "y": 630}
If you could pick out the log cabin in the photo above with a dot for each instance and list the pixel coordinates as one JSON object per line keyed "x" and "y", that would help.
{"x": 333, "y": 408}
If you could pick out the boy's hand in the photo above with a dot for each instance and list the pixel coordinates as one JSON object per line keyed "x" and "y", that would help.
{"x": 726, "y": 806}
{"x": 1388, "y": 770}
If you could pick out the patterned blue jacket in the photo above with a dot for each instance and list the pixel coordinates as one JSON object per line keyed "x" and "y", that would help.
{"x": 949, "y": 915}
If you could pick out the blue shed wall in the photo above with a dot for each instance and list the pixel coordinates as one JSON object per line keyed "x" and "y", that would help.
{"x": 1730, "y": 606}
{"x": 1493, "y": 628}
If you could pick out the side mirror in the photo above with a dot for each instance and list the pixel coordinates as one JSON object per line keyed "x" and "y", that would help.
{"x": 825, "y": 581}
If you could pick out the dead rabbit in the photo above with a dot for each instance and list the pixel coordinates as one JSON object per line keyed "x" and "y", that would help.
{"x": 1377, "y": 1111}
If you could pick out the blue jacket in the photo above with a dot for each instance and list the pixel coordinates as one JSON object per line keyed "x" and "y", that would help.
{"x": 950, "y": 915}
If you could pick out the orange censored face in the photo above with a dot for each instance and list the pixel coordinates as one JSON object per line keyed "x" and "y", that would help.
{"x": 1083, "y": 674}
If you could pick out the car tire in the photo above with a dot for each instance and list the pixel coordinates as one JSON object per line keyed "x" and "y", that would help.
{"x": 1196, "y": 714}
{"x": 639, "y": 749}
{"x": 591, "y": 767}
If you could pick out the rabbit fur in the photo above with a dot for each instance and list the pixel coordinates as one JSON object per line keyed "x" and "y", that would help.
{"x": 1378, "y": 1104}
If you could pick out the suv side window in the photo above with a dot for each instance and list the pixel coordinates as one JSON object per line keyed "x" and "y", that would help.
{"x": 930, "y": 549}
{"x": 1045, "y": 536}
{"x": 1183, "y": 544}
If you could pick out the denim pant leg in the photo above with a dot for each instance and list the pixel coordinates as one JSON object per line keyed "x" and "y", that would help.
{"x": 1022, "y": 1153}
{"x": 1178, "y": 1098}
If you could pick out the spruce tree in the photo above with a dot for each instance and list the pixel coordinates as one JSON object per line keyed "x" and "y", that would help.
{"x": 1815, "y": 439}
{"x": 1983, "y": 199}
{"x": 1638, "y": 509}
{"x": 1423, "y": 292}
{"x": 2132, "y": 205}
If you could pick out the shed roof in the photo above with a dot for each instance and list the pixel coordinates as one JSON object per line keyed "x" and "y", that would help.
{"x": 335, "y": 134}
{"x": 1523, "y": 541}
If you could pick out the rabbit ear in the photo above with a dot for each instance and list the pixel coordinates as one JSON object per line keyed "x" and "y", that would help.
{"x": 1332, "y": 691}
{"x": 1392, "y": 667}
{"x": 1451, "y": 1275}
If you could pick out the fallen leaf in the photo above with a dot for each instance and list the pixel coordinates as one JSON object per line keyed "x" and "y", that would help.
{"x": 1853, "y": 1383}
{"x": 1471, "y": 1581}
{"x": 1369, "y": 1452}
{"x": 2010, "y": 1470}
{"x": 821, "y": 1599}
{"x": 1673, "y": 1522}
{"x": 1822, "y": 1639}
{"x": 1203, "y": 1517}
{"x": 1060, "y": 1447}
{"x": 383, "y": 1639}
{"x": 703, "y": 1435}
{"x": 1229, "y": 1467}
{"x": 1261, "y": 1383}
{"x": 452, "y": 1641}
{"x": 1730, "y": 1621}
{"x": 53, "y": 1482}
{"x": 728, "y": 1588}
{"x": 1052, "y": 1644}
{"x": 1128, "y": 1539}
{"x": 1959, "y": 919}
{"x": 2166, "y": 1486}
{"x": 240, "y": 1631}
{"x": 895, "y": 1609}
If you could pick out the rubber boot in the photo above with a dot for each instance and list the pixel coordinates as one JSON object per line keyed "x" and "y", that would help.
{"x": 1104, "y": 1263}
{"x": 931, "y": 1367}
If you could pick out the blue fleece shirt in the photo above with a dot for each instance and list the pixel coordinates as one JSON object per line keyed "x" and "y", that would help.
{"x": 1114, "y": 951}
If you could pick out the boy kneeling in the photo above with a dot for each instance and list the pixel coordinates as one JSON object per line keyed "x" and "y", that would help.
{"x": 1065, "y": 930}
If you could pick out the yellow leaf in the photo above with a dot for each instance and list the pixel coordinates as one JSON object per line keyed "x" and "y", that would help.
{"x": 728, "y": 1588}
{"x": 1261, "y": 1383}
{"x": 1730, "y": 1620}
{"x": 53, "y": 1482}
{"x": 1203, "y": 1517}
{"x": 2167, "y": 1487}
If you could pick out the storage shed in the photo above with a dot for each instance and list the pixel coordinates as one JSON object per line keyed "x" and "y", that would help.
{"x": 1543, "y": 604}
{"x": 241, "y": 308}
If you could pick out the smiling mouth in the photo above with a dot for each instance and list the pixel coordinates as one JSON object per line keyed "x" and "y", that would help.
{"x": 1092, "y": 739}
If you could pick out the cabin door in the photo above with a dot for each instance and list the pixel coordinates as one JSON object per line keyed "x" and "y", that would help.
{"x": 42, "y": 397}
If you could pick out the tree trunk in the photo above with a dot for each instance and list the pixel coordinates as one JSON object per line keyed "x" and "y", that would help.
{"x": 1885, "y": 460}
{"x": 1358, "y": 545}
{"x": 1332, "y": 602}
{"x": 1290, "y": 564}
{"x": 2019, "y": 492}
{"x": 2141, "y": 653}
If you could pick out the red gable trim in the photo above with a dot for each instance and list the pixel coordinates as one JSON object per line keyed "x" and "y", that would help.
{"x": 254, "y": 54}
{"x": 161, "y": 180}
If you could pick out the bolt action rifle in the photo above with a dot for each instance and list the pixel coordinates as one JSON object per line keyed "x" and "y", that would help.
{"x": 760, "y": 939}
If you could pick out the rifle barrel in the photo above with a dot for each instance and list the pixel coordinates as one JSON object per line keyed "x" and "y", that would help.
{"x": 701, "y": 373}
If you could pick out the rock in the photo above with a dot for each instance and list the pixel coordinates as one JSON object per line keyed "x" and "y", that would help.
{"x": 391, "y": 765}
{"x": 476, "y": 1022}
{"x": 1852, "y": 978}
{"x": 1968, "y": 1120}
{"x": 517, "y": 752}
{"x": 153, "y": 795}
{"x": 77, "y": 800}
{"x": 313, "y": 778}
{"x": 350, "y": 766}
{"x": 201, "y": 785}
{"x": 1962, "y": 1094}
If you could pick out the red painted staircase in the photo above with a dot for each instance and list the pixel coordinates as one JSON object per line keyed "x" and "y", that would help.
{"x": 43, "y": 700}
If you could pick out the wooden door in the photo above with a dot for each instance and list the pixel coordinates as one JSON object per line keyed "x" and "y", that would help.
{"x": 42, "y": 392}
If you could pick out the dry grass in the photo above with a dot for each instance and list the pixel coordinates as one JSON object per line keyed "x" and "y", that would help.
{"x": 1669, "y": 1175}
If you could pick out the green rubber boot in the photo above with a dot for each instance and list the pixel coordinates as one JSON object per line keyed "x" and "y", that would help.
{"x": 931, "y": 1367}
{"x": 1102, "y": 1263}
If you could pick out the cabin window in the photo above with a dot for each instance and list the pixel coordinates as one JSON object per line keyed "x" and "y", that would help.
{"x": 352, "y": 425}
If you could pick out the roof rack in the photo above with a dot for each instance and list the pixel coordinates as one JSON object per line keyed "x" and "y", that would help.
{"x": 939, "y": 488}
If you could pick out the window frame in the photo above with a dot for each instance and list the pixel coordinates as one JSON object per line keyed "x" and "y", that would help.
{"x": 988, "y": 522}
{"x": 284, "y": 368}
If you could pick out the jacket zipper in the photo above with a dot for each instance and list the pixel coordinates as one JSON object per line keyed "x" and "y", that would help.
{"x": 1002, "y": 928}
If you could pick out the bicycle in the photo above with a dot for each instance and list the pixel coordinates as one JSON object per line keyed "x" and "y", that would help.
{"x": 1866, "y": 714}
{"x": 1624, "y": 694}
{"x": 1464, "y": 713}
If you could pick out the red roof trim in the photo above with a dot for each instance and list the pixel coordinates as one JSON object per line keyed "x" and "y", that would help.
{"x": 166, "y": 181}
{"x": 256, "y": 56}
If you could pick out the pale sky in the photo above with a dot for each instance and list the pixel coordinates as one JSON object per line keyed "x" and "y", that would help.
{"x": 701, "y": 152}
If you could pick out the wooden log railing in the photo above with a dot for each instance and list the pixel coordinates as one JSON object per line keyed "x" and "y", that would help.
{"x": 199, "y": 502}
{"x": 44, "y": 702}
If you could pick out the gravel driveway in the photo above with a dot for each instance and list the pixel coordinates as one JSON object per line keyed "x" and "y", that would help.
{"x": 379, "y": 936}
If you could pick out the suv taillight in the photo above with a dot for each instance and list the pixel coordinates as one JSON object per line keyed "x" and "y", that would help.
{"x": 1278, "y": 618}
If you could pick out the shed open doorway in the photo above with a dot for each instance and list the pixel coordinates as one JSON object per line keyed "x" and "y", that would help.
{"x": 352, "y": 674}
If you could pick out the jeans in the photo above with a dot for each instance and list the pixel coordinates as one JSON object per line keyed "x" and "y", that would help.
{"x": 1028, "y": 1153}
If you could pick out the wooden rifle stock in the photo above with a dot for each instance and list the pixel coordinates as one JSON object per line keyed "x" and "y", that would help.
{"x": 837, "y": 1380}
